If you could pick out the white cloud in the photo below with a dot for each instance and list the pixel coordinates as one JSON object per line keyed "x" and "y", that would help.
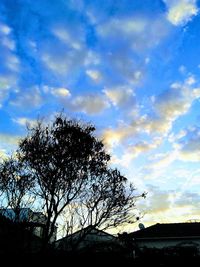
{"x": 133, "y": 151}
{"x": 10, "y": 63}
{"x": 113, "y": 137}
{"x": 27, "y": 99}
{"x": 65, "y": 51}
{"x": 126, "y": 26}
{"x": 169, "y": 206}
{"x": 62, "y": 61}
{"x": 3, "y": 154}
{"x": 127, "y": 42}
{"x": 186, "y": 147}
{"x": 190, "y": 80}
{"x": 6, "y": 82}
{"x": 165, "y": 161}
{"x": 7, "y": 42}
{"x": 92, "y": 58}
{"x": 94, "y": 74}
{"x": 159, "y": 200}
{"x": 182, "y": 69}
{"x": 124, "y": 160}
{"x": 5, "y": 29}
{"x": 68, "y": 37}
{"x": 189, "y": 145}
{"x": 56, "y": 63}
{"x": 167, "y": 108}
{"x": 120, "y": 96}
{"x": 60, "y": 92}
{"x": 173, "y": 103}
{"x": 23, "y": 121}
{"x": 8, "y": 144}
{"x": 140, "y": 32}
{"x": 90, "y": 104}
{"x": 181, "y": 11}
{"x": 9, "y": 139}
{"x": 174, "y": 137}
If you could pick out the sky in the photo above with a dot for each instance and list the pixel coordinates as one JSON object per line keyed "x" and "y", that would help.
{"x": 131, "y": 68}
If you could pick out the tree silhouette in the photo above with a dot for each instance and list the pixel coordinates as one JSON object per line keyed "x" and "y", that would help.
{"x": 106, "y": 201}
{"x": 72, "y": 177}
{"x": 15, "y": 185}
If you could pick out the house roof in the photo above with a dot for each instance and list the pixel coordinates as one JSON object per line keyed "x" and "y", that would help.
{"x": 89, "y": 230}
{"x": 168, "y": 230}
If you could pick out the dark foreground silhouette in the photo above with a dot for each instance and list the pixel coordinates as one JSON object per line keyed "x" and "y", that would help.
{"x": 89, "y": 258}
{"x": 18, "y": 247}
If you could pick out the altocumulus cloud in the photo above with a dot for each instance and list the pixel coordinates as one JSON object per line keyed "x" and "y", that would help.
{"x": 90, "y": 104}
{"x": 181, "y": 11}
{"x": 189, "y": 145}
{"x": 110, "y": 62}
{"x": 167, "y": 108}
{"x": 26, "y": 99}
{"x": 120, "y": 96}
{"x": 10, "y": 63}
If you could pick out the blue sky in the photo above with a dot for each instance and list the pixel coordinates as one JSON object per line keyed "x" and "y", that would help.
{"x": 131, "y": 68}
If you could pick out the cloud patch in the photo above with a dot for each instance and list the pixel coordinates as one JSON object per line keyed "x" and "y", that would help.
{"x": 61, "y": 92}
{"x": 89, "y": 104}
{"x": 95, "y": 75}
{"x": 23, "y": 121}
{"x": 28, "y": 99}
{"x": 181, "y": 11}
{"x": 120, "y": 96}
{"x": 133, "y": 151}
{"x": 189, "y": 145}
{"x": 10, "y": 63}
{"x": 169, "y": 206}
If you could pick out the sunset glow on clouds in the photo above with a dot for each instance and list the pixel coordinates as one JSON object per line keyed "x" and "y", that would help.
{"x": 129, "y": 67}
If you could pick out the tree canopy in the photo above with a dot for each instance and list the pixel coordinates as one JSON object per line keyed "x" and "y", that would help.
{"x": 67, "y": 169}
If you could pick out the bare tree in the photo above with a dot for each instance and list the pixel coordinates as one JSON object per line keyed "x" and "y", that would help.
{"x": 70, "y": 167}
{"x": 108, "y": 200}
{"x": 15, "y": 185}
